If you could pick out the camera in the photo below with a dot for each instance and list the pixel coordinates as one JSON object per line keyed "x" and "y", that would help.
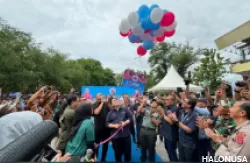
{"x": 151, "y": 95}
{"x": 188, "y": 79}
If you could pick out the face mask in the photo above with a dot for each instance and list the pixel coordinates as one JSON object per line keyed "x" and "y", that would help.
{"x": 21, "y": 105}
{"x": 200, "y": 108}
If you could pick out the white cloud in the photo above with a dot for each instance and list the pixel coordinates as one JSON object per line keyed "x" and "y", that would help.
{"x": 89, "y": 28}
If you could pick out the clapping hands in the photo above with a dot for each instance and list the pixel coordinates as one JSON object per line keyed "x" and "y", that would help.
{"x": 216, "y": 137}
{"x": 172, "y": 116}
{"x": 201, "y": 122}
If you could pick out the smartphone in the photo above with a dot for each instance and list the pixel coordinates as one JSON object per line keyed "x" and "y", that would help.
{"x": 189, "y": 74}
{"x": 50, "y": 153}
{"x": 178, "y": 90}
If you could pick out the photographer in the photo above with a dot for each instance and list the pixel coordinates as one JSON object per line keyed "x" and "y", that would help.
{"x": 101, "y": 109}
{"x": 66, "y": 121}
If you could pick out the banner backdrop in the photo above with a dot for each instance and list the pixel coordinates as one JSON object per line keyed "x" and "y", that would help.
{"x": 90, "y": 92}
{"x": 134, "y": 79}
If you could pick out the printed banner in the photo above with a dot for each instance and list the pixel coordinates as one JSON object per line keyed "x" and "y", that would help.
{"x": 134, "y": 79}
{"x": 90, "y": 92}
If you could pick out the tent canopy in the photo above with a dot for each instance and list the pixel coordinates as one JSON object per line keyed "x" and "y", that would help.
{"x": 171, "y": 81}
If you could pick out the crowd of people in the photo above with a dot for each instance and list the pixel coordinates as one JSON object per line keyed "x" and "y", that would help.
{"x": 191, "y": 126}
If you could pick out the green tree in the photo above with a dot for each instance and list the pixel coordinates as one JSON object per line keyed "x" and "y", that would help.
{"x": 150, "y": 80}
{"x": 24, "y": 65}
{"x": 118, "y": 78}
{"x": 164, "y": 54}
{"x": 211, "y": 69}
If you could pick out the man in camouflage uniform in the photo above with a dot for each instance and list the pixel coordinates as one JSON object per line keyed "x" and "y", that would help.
{"x": 224, "y": 125}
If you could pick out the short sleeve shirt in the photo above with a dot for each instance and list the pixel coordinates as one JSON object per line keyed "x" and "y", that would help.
{"x": 147, "y": 122}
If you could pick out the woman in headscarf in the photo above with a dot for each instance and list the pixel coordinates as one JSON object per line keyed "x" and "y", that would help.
{"x": 82, "y": 132}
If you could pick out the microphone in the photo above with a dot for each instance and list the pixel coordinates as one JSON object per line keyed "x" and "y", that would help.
{"x": 88, "y": 156}
{"x": 27, "y": 147}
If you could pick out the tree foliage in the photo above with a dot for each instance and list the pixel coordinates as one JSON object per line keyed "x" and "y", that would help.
{"x": 25, "y": 65}
{"x": 210, "y": 70}
{"x": 164, "y": 54}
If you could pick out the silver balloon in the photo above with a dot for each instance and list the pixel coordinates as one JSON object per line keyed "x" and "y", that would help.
{"x": 156, "y": 15}
{"x": 124, "y": 26}
{"x": 159, "y": 32}
{"x": 137, "y": 30}
{"x": 171, "y": 27}
{"x": 133, "y": 18}
{"x": 146, "y": 36}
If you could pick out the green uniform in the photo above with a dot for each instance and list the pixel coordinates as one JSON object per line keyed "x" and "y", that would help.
{"x": 66, "y": 121}
{"x": 78, "y": 145}
{"x": 147, "y": 122}
{"x": 148, "y": 134}
{"x": 224, "y": 127}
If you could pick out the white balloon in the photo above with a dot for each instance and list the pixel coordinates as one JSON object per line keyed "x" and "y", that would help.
{"x": 171, "y": 27}
{"x": 146, "y": 36}
{"x": 159, "y": 32}
{"x": 156, "y": 15}
{"x": 137, "y": 30}
{"x": 124, "y": 26}
{"x": 133, "y": 18}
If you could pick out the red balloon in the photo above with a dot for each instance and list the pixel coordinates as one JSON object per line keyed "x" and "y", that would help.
{"x": 124, "y": 34}
{"x": 161, "y": 38}
{"x": 141, "y": 51}
{"x": 167, "y": 19}
{"x": 169, "y": 34}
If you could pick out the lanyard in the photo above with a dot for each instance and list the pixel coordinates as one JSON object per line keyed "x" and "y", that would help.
{"x": 183, "y": 118}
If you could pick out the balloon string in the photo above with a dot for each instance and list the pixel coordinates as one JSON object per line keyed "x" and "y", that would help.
{"x": 109, "y": 138}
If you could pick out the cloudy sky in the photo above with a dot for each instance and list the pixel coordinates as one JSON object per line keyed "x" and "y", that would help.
{"x": 89, "y": 28}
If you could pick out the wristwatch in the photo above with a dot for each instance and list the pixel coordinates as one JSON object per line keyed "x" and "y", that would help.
{"x": 177, "y": 122}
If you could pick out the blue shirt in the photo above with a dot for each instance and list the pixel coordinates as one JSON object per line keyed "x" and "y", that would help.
{"x": 188, "y": 140}
{"x": 168, "y": 131}
{"x": 116, "y": 116}
{"x": 204, "y": 112}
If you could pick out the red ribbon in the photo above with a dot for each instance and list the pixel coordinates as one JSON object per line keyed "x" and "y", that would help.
{"x": 109, "y": 138}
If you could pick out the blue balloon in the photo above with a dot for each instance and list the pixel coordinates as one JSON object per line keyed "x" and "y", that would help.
{"x": 148, "y": 44}
{"x": 143, "y": 11}
{"x": 155, "y": 26}
{"x": 152, "y": 33}
{"x": 153, "y": 6}
{"x": 133, "y": 38}
{"x": 145, "y": 23}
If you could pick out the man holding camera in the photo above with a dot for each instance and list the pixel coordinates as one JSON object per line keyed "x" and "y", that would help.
{"x": 101, "y": 110}
{"x": 66, "y": 121}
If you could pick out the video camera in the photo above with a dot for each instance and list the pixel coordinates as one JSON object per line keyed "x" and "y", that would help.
{"x": 33, "y": 145}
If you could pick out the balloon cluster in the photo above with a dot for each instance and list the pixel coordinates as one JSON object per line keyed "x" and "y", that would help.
{"x": 148, "y": 25}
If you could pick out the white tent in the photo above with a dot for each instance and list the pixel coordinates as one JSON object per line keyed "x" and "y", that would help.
{"x": 172, "y": 80}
